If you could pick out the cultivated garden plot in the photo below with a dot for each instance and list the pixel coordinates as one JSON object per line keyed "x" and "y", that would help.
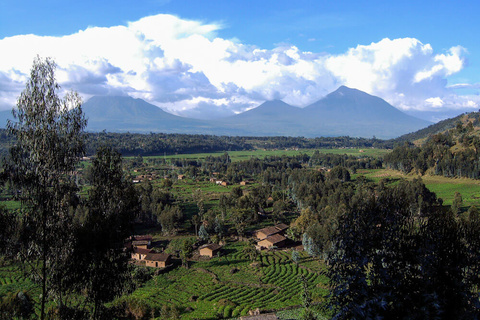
{"x": 231, "y": 285}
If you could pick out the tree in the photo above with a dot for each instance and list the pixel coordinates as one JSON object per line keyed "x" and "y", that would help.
{"x": 388, "y": 262}
{"x": 457, "y": 203}
{"x": 169, "y": 218}
{"x": 306, "y": 313}
{"x": 295, "y": 256}
{"x": 250, "y": 251}
{"x": 99, "y": 252}
{"x": 186, "y": 251}
{"x": 340, "y": 173}
{"x": 49, "y": 143}
{"x": 196, "y": 222}
{"x": 202, "y": 233}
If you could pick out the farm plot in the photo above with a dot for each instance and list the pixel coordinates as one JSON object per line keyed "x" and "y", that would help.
{"x": 212, "y": 290}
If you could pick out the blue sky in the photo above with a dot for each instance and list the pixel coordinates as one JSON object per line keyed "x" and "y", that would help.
{"x": 431, "y": 44}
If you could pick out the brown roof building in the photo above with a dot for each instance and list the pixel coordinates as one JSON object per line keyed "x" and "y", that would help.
{"x": 140, "y": 253}
{"x": 269, "y": 231}
{"x": 276, "y": 240}
{"x": 142, "y": 237}
{"x": 210, "y": 250}
{"x": 157, "y": 260}
{"x": 144, "y": 244}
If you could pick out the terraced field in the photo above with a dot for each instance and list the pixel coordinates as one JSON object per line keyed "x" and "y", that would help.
{"x": 211, "y": 290}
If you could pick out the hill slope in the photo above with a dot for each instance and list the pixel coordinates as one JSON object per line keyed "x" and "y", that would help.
{"x": 440, "y": 127}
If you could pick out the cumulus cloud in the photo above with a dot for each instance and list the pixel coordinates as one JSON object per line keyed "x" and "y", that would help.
{"x": 184, "y": 67}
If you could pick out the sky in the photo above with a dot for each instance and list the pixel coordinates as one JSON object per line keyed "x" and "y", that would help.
{"x": 209, "y": 59}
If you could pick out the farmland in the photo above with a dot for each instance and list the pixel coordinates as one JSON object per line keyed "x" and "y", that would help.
{"x": 231, "y": 285}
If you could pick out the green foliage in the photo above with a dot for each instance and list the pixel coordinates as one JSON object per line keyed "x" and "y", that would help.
{"x": 340, "y": 173}
{"x": 295, "y": 256}
{"x": 399, "y": 255}
{"x": 202, "y": 233}
{"x": 99, "y": 258}
{"x": 49, "y": 142}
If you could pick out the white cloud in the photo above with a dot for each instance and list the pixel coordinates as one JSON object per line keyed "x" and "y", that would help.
{"x": 435, "y": 102}
{"x": 186, "y": 68}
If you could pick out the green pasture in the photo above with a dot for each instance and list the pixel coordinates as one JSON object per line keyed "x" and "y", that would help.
{"x": 444, "y": 187}
{"x": 231, "y": 285}
{"x": 260, "y": 153}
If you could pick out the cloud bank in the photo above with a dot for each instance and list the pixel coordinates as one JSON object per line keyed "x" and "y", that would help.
{"x": 184, "y": 67}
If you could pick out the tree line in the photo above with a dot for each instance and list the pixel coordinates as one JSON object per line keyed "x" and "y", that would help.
{"x": 154, "y": 144}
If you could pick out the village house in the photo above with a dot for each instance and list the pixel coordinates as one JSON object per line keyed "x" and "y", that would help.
{"x": 139, "y": 254}
{"x": 225, "y": 183}
{"x": 210, "y": 250}
{"x": 139, "y": 241}
{"x": 180, "y": 177}
{"x": 269, "y": 231}
{"x": 143, "y": 244}
{"x": 276, "y": 240}
{"x": 157, "y": 260}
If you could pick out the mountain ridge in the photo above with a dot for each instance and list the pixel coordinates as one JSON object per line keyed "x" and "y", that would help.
{"x": 344, "y": 112}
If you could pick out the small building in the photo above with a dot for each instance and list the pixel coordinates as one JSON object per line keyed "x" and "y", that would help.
{"x": 139, "y": 241}
{"x": 210, "y": 250}
{"x": 157, "y": 260}
{"x": 143, "y": 237}
{"x": 243, "y": 183}
{"x": 181, "y": 177}
{"x": 276, "y": 240}
{"x": 219, "y": 182}
{"x": 269, "y": 231}
{"x": 140, "y": 253}
{"x": 143, "y": 244}
{"x": 225, "y": 183}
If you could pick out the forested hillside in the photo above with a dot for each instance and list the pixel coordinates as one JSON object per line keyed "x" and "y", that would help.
{"x": 453, "y": 153}
{"x": 439, "y": 127}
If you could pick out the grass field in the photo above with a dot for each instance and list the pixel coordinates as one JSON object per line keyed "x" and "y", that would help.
{"x": 445, "y": 188}
{"x": 245, "y": 155}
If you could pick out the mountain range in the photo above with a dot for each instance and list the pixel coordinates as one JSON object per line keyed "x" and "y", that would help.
{"x": 344, "y": 112}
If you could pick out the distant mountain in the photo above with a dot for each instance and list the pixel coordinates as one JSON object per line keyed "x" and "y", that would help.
{"x": 126, "y": 114}
{"x": 358, "y": 114}
{"x": 344, "y": 112}
{"x": 271, "y": 118}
